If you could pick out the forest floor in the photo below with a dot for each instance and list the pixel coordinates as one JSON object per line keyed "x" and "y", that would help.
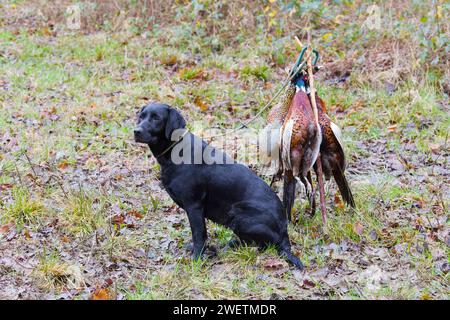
{"x": 82, "y": 212}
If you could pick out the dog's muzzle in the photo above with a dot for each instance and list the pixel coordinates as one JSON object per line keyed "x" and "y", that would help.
{"x": 138, "y": 134}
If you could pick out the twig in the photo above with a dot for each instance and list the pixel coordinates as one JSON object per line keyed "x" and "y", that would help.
{"x": 316, "y": 119}
{"x": 18, "y": 175}
{"x": 94, "y": 240}
{"x": 62, "y": 188}
{"x": 31, "y": 165}
{"x": 323, "y": 209}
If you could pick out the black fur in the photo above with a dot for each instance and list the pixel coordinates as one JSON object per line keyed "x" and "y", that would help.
{"x": 229, "y": 194}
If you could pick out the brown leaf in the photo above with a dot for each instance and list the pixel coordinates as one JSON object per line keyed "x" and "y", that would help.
{"x": 5, "y": 228}
{"x": 358, "y": 228}
{"x": 118, "y": 219}
{"x": 435, "y": 147}
{"x": 338, "y": 202}
{"x": 26, "y": 233}
{"x": 392, "y": 128}
{"x": 274, "y": 264}
{"x": 63, "y": 164}
{"x": 308, "y": 284}
{"x": 135, "y": 213}
{"x": 168, "y": 60}
{"x": 101, "y": 294}
{"x": 4, "y": 186}
{"x": 109, "y": 282}
{"x": 199, "y": 103}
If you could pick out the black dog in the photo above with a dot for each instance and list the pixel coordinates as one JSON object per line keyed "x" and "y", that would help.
{"x": 226, "y": 193}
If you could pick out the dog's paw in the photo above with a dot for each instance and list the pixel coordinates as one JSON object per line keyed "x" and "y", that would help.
{"x": 211, "y": 251}
{"x": 189, "y": 247}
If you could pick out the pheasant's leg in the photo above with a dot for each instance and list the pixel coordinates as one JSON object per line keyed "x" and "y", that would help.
{"x": 309, "y": 190}
{"x": 288, "y": 192}
{"x": 321, "y": 191}
{"x": 312, "y": 200}
{"x": 275, "y": 177}
{"x": 273, "y": 180}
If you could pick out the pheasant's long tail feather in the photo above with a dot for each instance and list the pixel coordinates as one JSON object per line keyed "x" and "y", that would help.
{"x": 344, "y": 187}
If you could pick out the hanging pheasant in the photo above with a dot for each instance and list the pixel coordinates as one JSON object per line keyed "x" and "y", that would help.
{"x": 301, "y": 139}
{"x": 270, "y": 138}
{"x": 332, "y": 153}
{"x": 296, "y": 137}
{"x": 290, "y": 141}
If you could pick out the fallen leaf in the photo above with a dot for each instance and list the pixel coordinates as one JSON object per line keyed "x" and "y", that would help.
{"x": 338, "y": 202}
{"x": 199, "y": 103}
{"x": 274, "y": 264}
{"x": 26, "y": 233}
{"x": 392, "y": 128}
{"x": 358, "y": 228}
{"x": 5, "y": 228}
{"x": 434, "y": 147}
{"x": 425, "y": 296}
{"x": 5, "y": 186}
{"x": 308, "y": 284}
{"x": 109, "y": 282}
{"x": 135, "y": 214}
{"x": 63, "y": 164}
{"x": 168, "y": 60}
{"x": 101, "y": 294}
{"x": 118, "y": 219}
{"x": 373, "y": 235}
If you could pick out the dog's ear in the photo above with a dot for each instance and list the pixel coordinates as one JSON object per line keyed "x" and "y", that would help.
{"x": 140, "y": 111}
{"x": 175, "y": 121}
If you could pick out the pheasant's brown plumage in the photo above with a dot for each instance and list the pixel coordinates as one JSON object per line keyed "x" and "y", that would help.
{"x": 300, "y": 147}
{"x": 332, "y": 154}
{"x": 279, "y": 112}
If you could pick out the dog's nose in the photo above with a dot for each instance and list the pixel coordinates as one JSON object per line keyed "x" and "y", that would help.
{"x": 137, "y": 132}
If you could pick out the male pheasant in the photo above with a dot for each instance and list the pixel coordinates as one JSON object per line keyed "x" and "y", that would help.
{"x": 332, "y": 153}
{"x": 301, "y": 139}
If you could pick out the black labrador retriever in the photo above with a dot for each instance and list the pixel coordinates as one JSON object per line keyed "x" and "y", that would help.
{"x": 206, "y": 183}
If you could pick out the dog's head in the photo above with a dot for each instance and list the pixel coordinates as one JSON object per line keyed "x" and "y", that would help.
{"x": 156, "y": 123}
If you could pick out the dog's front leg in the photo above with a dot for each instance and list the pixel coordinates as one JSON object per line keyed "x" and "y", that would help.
{"x": 198, "y": 228}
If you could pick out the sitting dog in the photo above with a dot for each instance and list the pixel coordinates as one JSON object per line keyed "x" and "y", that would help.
{"x": 212, "y": 186}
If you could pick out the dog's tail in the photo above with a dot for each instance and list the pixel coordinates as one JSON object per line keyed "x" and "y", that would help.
{"x": 284, "y": 250}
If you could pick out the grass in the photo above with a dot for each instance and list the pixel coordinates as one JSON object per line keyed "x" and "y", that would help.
{"x": 70, "y": 102}
{"x": 23, "y": 209}
{"x": 52, "y": 273}
{"x": 82, "y": 213}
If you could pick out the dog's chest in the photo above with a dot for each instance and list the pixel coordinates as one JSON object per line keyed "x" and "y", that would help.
{"x": 171, "y": 189}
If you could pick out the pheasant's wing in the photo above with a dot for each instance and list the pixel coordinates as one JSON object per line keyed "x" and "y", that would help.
{"x": 334, "y": 155}
{"x": 338, "y": 136}
{"x": 269, "y": 141}
{"x": 286, "y": 144}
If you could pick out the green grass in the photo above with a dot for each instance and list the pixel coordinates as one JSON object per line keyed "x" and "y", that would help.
{"x": 70, "y": 103}
{"x": 24, "y": 209}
